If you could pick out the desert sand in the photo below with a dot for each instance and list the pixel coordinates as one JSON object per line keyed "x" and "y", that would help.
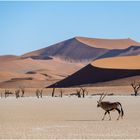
{"x": 86, "y": 49}
{"x": 33, "y": 73}
{"x": 108, "y": 43}
{"x": 67, "y": 118}
{"x": 124, "y": 62}
{"x": 121, "y": 70}
{"x": 44, "y": 67}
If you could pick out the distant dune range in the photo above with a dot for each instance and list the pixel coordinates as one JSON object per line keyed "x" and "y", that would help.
{"x": 58, "y": 62}
{"x": 85, "y": 50}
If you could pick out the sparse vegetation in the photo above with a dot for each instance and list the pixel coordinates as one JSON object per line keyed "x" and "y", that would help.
{"x": 61, "y": 93}
{"x": 7, "y": 93}
{"x": 17, "y": 93}
{"x": 53, "y": 92}
{"x": 84, "y": 91}
{"x": 39, "y": 93}
{"x": 22, "y": 91}
{"x": 136, "y": 87}
{"x": 78, "y": 91}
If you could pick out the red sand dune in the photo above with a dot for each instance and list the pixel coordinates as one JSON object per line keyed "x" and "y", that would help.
{"x": 60, "y": 60}
{"x": 82, "y": 49}
{"x": 126, "y": 62}
{"x": 8, "y": 58}
{"x": 42, "y": 72}
{"x": 108, "y": 43}
{"x": 91, "y": 74}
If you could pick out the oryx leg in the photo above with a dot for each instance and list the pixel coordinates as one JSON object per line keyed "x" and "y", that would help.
{"x": 104, "y": 115}
{"x": 119, "y": 113}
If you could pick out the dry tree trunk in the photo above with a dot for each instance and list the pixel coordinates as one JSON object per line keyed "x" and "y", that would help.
{"x": 61, "y": 93}
{"x": 17, "y": 93}
{"x": 78, "y": 93}
{"x": 83, "y": 91}
{"x": 23, "y": 92}
{"x": 37, "y": 93}
{"x": 41, "y": 93}
{"x": 53, "y": 92}
{"x": 136, "y": 87}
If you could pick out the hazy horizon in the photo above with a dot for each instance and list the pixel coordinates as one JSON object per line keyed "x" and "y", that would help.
{"x": 27, "y": 26}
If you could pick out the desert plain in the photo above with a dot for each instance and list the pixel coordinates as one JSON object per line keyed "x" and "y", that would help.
{"x": 69, "y": 117}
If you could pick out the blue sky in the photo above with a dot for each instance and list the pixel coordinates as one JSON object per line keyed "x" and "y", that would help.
{"x": 27, "y": 26}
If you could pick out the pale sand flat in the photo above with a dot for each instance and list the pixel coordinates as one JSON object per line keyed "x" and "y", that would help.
{"x": 67, "y": 117}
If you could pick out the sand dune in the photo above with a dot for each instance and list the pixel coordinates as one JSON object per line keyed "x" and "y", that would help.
{"x": 127, "y": 62}
{"x": 6, "y": 75}
{"x": 8, "y": 58}
{"x": 25, "y": 82}
{"x": 92, "y": 75}
{"x": 25, "y": 65}
{"x": 60, "y": 60}
{"x": 45, "y": 72}
{"x": 130, "y": 51}
{"x": 85, "y": 50}
{"x": 102, "y": 71}
{"x": 108, "y": 43}
{"x": 70, "y": 50}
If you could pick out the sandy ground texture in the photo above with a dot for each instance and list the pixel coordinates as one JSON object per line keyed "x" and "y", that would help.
{"x": 67, "y": 117}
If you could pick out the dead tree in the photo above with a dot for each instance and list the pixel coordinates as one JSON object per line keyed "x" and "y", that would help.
{"x": 41, "y": 93}
{"x": 37, "y": 93}
{"x": 136, "y": 86}
{"x": 7, "y": 93}
{"x": 78, "y": 93}
{"x": 17, "y": 93}
{"x": 83, "y": 92}
{"x": 53, "y": 92}
{"x": 22, "y": 92}
{"x": 61, "y": 93}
